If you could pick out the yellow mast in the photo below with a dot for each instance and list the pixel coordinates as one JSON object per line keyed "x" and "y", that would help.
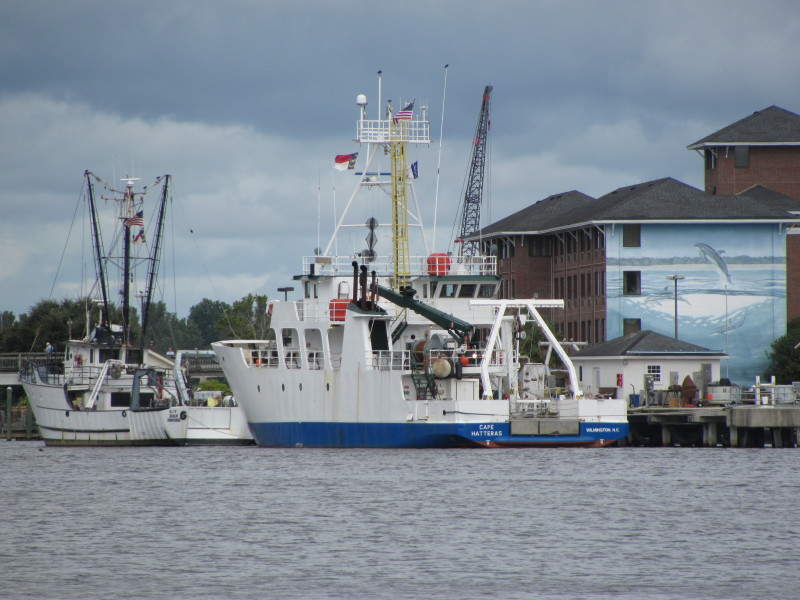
{"x": 397, "y": 154}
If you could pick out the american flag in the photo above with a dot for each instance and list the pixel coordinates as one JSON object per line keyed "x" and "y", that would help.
{"x": 137, "y": 219}
{"x": 405, "y": 114}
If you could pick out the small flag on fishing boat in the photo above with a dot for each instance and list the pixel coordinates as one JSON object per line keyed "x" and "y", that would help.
{"x": 414, "y": 170}
{"x": 137, "y": 219}
{"x": 405, "y": 114}
{"x": 139, "y": 236}
{"x": 344, "y": 162}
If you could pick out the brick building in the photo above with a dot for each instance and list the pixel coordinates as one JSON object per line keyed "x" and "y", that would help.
{"x": 613, "y": 259}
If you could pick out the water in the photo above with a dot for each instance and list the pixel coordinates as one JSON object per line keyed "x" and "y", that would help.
{"x": 183, "y": 523}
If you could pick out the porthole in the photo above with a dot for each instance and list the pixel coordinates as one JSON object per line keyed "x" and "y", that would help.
{"x": 283, "y": 387}
{"x": 259, "y": 388}
{"x": 328, "y": 387}
{"x": 301, "y": 387}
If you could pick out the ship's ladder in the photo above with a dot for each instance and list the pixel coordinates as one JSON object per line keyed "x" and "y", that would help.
{"x": 425, "y": 385}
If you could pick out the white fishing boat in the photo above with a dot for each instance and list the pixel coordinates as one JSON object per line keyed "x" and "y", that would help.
{"x": 403, "y": 351}
{"x": 106, "y": 389}
{"x": 204, "y": 419}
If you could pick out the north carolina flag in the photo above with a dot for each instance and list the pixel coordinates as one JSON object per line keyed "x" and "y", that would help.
{"x": 414, "y": 170}
{"x": 343, "y": 162}
{"x": 405, "y": 114}
{"x": 139, "y": 236}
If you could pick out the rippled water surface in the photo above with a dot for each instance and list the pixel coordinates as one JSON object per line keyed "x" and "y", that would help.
{"x": 179, "y": 523}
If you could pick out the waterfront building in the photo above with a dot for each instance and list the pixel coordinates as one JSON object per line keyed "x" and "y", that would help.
{"x": 719, "y": 268}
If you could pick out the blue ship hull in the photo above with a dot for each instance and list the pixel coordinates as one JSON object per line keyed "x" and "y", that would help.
{"x": 424, "y": 435}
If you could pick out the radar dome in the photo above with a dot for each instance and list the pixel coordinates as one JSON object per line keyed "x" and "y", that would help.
{"x": 361, "y": 100}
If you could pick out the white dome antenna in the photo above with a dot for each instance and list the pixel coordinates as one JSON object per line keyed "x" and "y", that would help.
{"x": 361, "y": 102}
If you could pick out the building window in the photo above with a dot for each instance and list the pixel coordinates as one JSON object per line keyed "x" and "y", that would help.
{"x": 631, "y": 236}
{"x": 540, "y": 246}
{"x": 631, "y": 326}
{"x": 631, "y": 283}
{"x": 711, "y": 158}
{"x": 655, "y": 372}
{"x": 741, "y": 156}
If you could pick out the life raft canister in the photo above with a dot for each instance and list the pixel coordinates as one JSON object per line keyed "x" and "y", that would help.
{"x": 438, "y": 264}
{"x": 337, "y": 308}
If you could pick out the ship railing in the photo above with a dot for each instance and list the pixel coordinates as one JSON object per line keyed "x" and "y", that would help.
{"x": 534, "y": 407}
{"x": 419, "y": 265}
{"x": 291, "y": 359}
{"x": 83, "y": 375}
{"x": 389, "y": 360}
{"x": 46, "y": 373}
{"x": 470, "y": 359}
{"x": 383, "y": 130}
{"x": 316, "y": 360}
{"x": 263, "y": 356}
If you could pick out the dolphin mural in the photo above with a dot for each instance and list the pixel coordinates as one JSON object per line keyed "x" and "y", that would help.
{"x": 712, "y": 256}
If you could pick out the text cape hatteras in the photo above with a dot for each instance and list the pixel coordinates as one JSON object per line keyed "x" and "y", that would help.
{"x": 374, "y": 357}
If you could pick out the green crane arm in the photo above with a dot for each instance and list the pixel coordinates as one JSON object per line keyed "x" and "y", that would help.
{"x": 453, "y": 325}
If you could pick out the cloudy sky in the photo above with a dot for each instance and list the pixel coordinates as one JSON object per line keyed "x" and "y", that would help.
{"x": 246, "y": 102}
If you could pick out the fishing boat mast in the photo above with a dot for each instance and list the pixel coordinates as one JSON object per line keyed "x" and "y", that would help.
{"x": 154, "y": 258}
{"x": 97, "y": 243}
{"x": 129, "y": 220}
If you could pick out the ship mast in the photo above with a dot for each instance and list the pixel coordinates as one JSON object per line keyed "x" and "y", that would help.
{"x": 105, "y": 316}
{"x": 155, "y": 258}
{"x": 128, "y": 208}
{"x": 392, "y": 134}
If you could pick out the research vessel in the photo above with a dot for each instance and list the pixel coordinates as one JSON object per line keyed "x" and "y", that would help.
{"x": 402, "y": 351}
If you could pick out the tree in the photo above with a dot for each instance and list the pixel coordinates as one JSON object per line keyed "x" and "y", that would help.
{"x": 529, "y": 345}
{"x": 247, "y": 318}
{"x": 47, "y": 321}
{"x": 784, "y": 356}
{"x": 214, "y": 385}
{"x": 7, "y": 319}
{"x": 207, "y": 316}
{"x": 165, "y": 330}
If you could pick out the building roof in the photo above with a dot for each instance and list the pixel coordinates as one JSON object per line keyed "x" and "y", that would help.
{"x": 645, "y": 343}
{"x": 552, "y": 212}
{"x": 773, "y": 126}
{"x": 660, "y": 200}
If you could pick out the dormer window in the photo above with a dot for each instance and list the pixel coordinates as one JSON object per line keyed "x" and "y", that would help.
{"x": 741, "y": 157}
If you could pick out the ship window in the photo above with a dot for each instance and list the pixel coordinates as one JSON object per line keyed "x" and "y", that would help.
{"x": 631, "y": 236}
{"x": 120, "y": 399}
{"x": 467, "y": 290}
{"x": 487, "y": 290}
{"x": 741, "y": 156}
{"x": 631, "y": 283}
{"x": 434, "y": 285}
{"x": 448, "y": 291}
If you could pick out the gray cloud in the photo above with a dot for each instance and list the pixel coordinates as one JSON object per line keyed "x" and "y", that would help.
{"x": 246, "y": 102}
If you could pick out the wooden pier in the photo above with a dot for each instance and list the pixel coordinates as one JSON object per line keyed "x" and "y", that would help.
{"x": 737, "y": 426}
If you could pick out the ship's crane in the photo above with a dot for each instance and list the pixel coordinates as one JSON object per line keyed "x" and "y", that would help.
{"x": 471, "y": 209}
